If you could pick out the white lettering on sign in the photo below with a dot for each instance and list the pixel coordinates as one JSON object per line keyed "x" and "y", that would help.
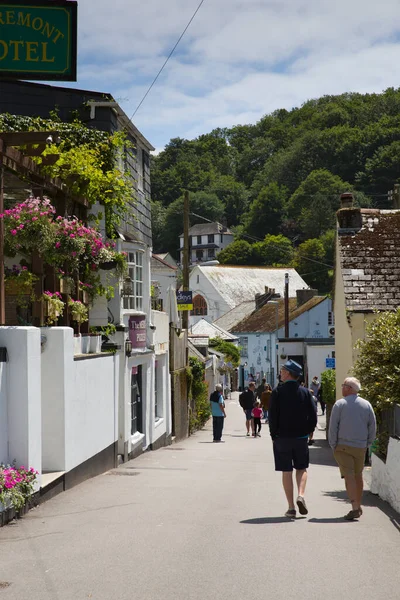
{"x": 141, "y": 337}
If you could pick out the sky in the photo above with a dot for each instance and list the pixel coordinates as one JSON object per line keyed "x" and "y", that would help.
{"x": 239, "y": 60}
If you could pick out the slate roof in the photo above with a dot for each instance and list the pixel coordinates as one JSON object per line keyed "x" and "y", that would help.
{"x": 203, "y": 327}
{"x": 236, "y": 284}
{"x": 236, "y": 314}
{"x": 208, "y": 228}
{"x": 157, "y": 263}
{"x": 370, "y": 261}
{"x": 264, "y": 319}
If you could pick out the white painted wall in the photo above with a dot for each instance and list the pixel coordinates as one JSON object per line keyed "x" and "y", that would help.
{"x": 90, "y": 413}
{"x": 79, "y": 402}
{"x": 312, "y": 323}
{"x": 164, "y": 277}
{"x": 3, "y": 414}
{"x": 216, "y": 305}
{"x": 23, "y": 396}
{"x": 386, "y": 477}
{"x": 316, "y": 356}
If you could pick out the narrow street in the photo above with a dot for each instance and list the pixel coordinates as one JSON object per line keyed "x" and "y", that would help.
{"x": 200, "y": 520}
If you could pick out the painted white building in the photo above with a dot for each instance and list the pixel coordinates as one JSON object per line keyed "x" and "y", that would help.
{"x": 261, "y": 333}
{"x": 163, "y": 276}
{"x": 205, "y": 241}
{"x": 219, "y": 288}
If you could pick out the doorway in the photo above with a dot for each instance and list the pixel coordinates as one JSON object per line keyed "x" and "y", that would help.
{"x": 136, "y": 400}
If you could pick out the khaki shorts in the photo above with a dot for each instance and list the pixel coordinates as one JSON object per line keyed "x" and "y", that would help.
{"x": 350, "y": 460}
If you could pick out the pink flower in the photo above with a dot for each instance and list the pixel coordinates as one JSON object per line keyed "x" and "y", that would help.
{"x": 58, "y": 244}
{"x": 34, "y": 218}
{"x": 13, "y": 232}
{"x": 72, "y": 235}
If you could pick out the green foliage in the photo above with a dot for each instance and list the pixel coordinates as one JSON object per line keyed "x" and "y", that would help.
{"x": 275, "y": 250}
{"x": 86, "y": 162}
{"x": 239, "y": 252}
{"x": 309, "y": 262}
{"x": 378, "y": 363}
{"x": 230, "y": 352}
{"x": 198, "y": 392}
{"x": 328, "y": 383}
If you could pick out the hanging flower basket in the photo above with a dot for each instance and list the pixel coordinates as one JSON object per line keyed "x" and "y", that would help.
{"x": 53, "y": 307}
{"x": 108, "y": 266}
{"x": 66, "y": 285}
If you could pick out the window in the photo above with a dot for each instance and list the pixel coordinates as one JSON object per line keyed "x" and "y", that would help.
{"x": 199, "y": 306}
{"x": 199, "y": 254}
{"x": 221, "y": 238}
{"x": 211, "y": 238}
{"x": 211, "y": 253}
{"x": 244, "y": 346}
{"x": 331, "y": 318}
{"x": 135, "y": 273}
{"x": 268, "y": 349}
{"x": 199, "y": 239}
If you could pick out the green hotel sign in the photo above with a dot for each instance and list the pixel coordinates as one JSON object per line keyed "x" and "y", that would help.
{"x": 38, "y": 40}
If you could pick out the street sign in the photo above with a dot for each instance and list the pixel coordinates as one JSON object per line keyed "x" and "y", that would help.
{"x": 184, "y": 300}
{"x": 330, "y": 363}
{"x": 38, "y": 39}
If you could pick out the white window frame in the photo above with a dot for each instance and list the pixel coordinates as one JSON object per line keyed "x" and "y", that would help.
{"x": 134, "y": 302}
{"x": 244, "y": 347}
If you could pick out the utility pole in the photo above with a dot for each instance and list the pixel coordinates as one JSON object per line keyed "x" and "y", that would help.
{"x": 396, "y": 195}
{"x": 286, "y": 305}
{"x": 185, "y": 262}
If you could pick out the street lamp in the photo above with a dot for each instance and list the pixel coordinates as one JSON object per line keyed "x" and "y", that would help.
{"x": 276, "y": 330}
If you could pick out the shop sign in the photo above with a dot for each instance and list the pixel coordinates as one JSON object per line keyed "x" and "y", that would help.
{"x": 137, "y": 331}
{"x": 184, "y": 300}
{"x": 38, "y": 39}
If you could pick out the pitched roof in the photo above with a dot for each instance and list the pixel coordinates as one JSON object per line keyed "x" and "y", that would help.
{"x": 208, "y": 228}
{"x": 157, "y": 263}
{"x": 236, "y": 314}
{"x": 370, "y": 261}
{"x": 268, "y": 318}
{"x": 203, "y": 327}
{"x": 237, "y": 283}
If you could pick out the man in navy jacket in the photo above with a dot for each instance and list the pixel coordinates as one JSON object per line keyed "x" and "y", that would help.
{"x": 292, "y": 417}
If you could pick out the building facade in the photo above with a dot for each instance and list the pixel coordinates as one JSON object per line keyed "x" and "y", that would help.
{"x": 205, "y": 241}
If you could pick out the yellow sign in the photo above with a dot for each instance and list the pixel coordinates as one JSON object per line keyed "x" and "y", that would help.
{"x": 185, "y": 306}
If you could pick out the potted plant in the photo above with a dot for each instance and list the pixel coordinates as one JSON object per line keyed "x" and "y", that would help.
{"x": 67, "y": 285}
{"x": 53, "y": 306}
{"x": 79, "y": 314}
{"x": 94, "y": 341}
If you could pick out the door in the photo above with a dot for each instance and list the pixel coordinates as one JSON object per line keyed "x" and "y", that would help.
{"x": 136, "y": 400}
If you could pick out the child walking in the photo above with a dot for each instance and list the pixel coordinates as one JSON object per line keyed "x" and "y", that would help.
{"x": 257, "y": 413}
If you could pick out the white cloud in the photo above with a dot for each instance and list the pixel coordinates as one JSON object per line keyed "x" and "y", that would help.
{"x": 239, "y": 60}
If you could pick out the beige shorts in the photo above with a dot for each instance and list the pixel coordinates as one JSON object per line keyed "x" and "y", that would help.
{"x": 350, "y": 460}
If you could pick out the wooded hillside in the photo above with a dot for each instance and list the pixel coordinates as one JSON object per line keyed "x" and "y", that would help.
{"x": 281, "y": 178}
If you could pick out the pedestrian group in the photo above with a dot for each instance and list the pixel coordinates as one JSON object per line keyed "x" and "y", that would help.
{"x": 290, "y": 410}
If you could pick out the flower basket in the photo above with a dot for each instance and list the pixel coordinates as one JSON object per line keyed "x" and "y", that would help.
{"x": 85, "y": 297}
{"x": 53, "y": 306}
{"x": 66, "y": 285}
{"x": 108, "y": 266}
{"x": 14, "y": 288}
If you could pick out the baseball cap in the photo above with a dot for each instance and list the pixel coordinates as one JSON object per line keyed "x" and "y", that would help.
{"x": 293, "y": 367}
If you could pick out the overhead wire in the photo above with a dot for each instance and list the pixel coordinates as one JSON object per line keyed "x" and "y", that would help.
{"x": 167, "y": 59}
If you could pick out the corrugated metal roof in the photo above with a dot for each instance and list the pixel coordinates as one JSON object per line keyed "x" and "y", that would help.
{"x": 203, "y": 327}
{"x": 208, "y": 228}
{"x": 236, "y": 284}
{"x": 265, "y": 318}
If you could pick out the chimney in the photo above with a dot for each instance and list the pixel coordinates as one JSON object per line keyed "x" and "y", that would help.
{"x": 304, "y": 295}
{"x": 262, "y": 299}
{"x": 349, "y": 216}
{"x": 346, "y": 200}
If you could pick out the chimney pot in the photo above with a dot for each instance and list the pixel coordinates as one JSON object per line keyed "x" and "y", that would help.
{"x": 346, "y": 200}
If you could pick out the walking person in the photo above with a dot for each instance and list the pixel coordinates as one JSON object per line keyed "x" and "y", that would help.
{"x": 257, "y": 413}
{"x": 218, "y": 412}
{"x": 292, "y": 417}
{"x": 315, "y": 386}
{"x": 352, "y": 429}
{"x": 246, "y": 401}
{"x": 261, "y": 388}
{"x": 265, "y": 400}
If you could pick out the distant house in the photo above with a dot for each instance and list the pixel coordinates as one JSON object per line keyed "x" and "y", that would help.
{"x": 163, "y": 276}
{"x": 367, "y": 279}
{"x": 218, "y": 289}
{"x": 262, "y": 333}
{"x": 168, "y": 258}
{"x": 205, "y": 241}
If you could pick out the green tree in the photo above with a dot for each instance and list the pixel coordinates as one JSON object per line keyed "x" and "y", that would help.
{"x": 233, "y": 195}
{"x": 275, "y": 250}
{"x": 267, "y": 211}
{"x": 230, "y": 352}
{"x": 239, "y": 252}
{"x": 158, "y": 219}
{"x": 317, "y": 185}
{"x": 310, "y": 263}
